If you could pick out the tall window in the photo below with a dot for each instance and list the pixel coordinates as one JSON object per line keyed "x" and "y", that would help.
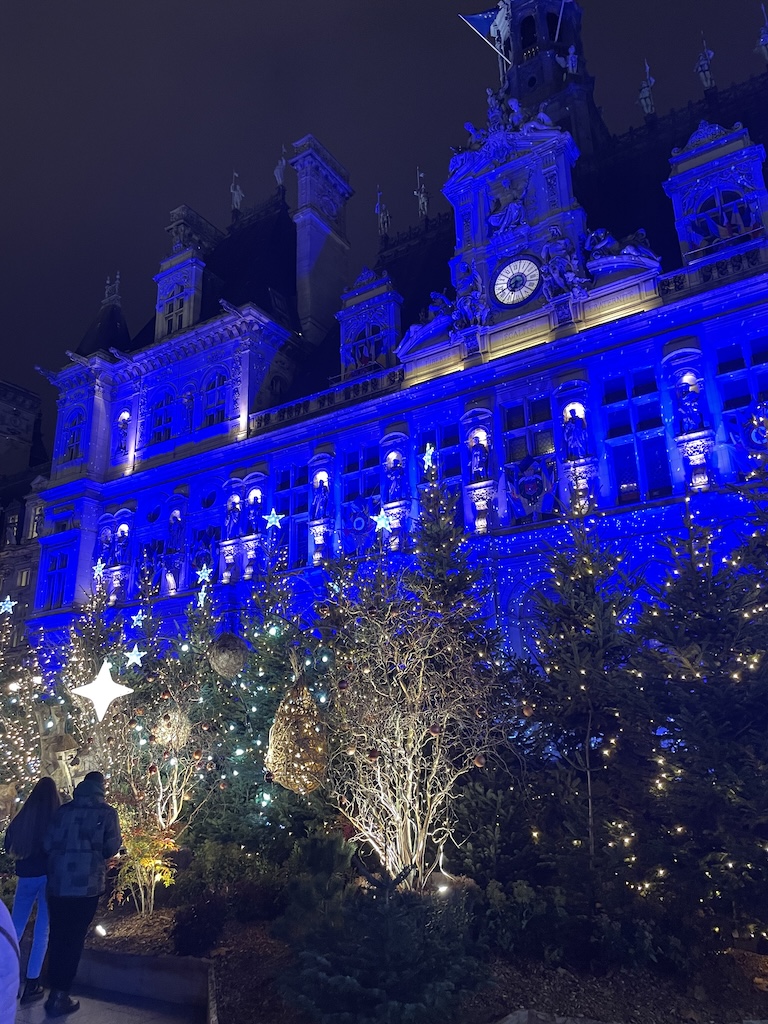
{"x": 635, "y": 437}
{"x": 174, "y": 310}
{"x": 73, "y": 437}
{"x": 215, "y": 400}
{"x": 161, "y": 418}
{"x": 55, "y": 578}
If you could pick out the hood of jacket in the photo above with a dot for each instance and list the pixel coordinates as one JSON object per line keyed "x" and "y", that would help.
{"x": 90, "y": 790}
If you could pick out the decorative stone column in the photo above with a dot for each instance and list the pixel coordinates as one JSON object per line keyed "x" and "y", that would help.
{"x": 695, "y": 449}
{"x": 398, "y": 513}
{"x": 482, "y": 496}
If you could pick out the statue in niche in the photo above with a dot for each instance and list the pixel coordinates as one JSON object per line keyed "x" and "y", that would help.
{"x": 122, "y": 435}
{"x": 478, "y": 459}
{"x": 254, "y": 513}
{"x": 703, "y": 67}
{"x": 320, "y": 499}
{"x": 395, "y": 480}
{"x": 175, "y": 531}
{"x": 575, "y": 435}
{"x": 509, "y": 212}
{"x": 232, "y": 523}
{"x": 689, "y": 407}
{"x": 121, "y": 546}
{"x": 104, "y": 551}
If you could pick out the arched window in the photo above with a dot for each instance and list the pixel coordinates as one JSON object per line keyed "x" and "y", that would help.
{"x": 528, "y": 39}
{"x": 174, "y": 310}
{"x": 215, "y": 400}
{"x": 73, "y": 437}
{"x": 552, "y": 23}
{"x": 161, "y": 418}
{"x": 722, "y": 216}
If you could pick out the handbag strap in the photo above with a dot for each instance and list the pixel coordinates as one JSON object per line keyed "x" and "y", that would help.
{"x": 13, "y": 942}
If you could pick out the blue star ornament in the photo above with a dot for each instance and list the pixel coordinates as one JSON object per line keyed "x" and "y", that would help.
{"x": 103, "y": 690}
{"x": 98, "y": 569}
{"x": 134, "y": 657}
{"x": 273, "y": 519}
{"x": 428, "y": 457}
{"x": 138, "y": 619}
{"x": 204, "y": 574}
{"x": 382, "y": 521}
{"x": 7, "y": 605}
{"x": 201, "y": 596}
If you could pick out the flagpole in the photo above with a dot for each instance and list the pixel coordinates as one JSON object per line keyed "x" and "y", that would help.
{"x": 559, "y": 20}
{"x": 486, "y": 40}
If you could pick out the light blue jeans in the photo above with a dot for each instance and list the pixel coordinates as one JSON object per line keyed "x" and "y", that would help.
{"x": 28, "y": 892}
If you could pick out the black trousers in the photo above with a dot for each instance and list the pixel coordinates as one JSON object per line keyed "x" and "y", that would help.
{"x": 70, "y": 918}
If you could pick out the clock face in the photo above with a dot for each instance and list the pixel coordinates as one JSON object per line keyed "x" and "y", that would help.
{"x": 517, "y": 281}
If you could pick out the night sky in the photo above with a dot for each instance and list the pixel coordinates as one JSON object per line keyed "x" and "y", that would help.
{"x": 114, "y": 112}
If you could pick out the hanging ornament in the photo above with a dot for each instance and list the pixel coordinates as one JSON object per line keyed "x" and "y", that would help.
{"x": 103, "y": 690}
{"x": 204, "y": 574}
{"x": 173, "y": 730}
{"x": 479, "y": 761}
{"x": 273, "y": 519}
{"x": 227, "y": 655}
{"x": 297, "y": 754}
{"x": 138, "y": 619}
{"x": 98, "y": 569}
{"x": 6, "y": 605}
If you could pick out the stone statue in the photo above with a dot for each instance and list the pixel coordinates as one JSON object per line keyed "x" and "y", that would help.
{"x": 421, "y": 194}
{"x": 575, "y": 435}
{"x": 175, "y": 531}
{"x": 495, "y": 119}
{"x": 637, "y": 244}
{"x": 320, "y": 499}
{"x": 560, "y": 270}
{"x": 471, "y": 307}
{"x": 600, "y": 244}
{"x": 383, "y": 216}
{"x": 762, "y": 43}
{"x": 254, "y": 514}
{"x": 122, "y": 436}
{"x": 703, "y": 67}
{"x": 508, "y": 214}
{"x": 395, "y": 480}
{"x": 439, "y": 305}
{"x": 121, "y": 547}
{"x": 515, "y": 114}
{"x": 645, "y": 95}
{"x": 232, "y": 523}
{"x": 570, "y": 63}
{"x": 279, "y": 171}
{"x": 478, "y": 459}
{"x": 688, "y": 402}
{"x": 237, "y": 193}
{"x": 188, "y": 404}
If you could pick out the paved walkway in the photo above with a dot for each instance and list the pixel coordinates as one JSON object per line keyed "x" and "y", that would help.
{"x": 122, "y": 1010}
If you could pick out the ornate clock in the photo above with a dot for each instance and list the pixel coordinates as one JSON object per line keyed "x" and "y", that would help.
{"x": 517, "y": 281}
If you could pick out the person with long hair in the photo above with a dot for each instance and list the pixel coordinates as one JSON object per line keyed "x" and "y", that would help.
{"x": 24, "y": 841}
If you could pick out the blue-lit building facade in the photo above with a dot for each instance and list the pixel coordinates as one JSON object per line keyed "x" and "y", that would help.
{"x": 542, "y": 360}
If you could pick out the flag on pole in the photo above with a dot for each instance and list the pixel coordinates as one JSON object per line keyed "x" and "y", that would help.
{"x": 492, "y": 26}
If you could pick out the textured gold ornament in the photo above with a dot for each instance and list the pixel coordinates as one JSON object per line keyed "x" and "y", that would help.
{"x": 298, "y": 751}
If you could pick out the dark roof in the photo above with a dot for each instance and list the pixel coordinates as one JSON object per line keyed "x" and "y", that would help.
{"x": 621, "y": 188}
{"x": 417, "y": 260}
{"x": 108, "y": 330}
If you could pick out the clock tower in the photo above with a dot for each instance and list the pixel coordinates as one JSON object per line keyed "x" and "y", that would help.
{"x": 519, "y": 229}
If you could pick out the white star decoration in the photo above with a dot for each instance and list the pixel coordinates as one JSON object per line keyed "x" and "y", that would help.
{"x": 138, "y": 619}
{"x": 98, "y": 569}
{"x": 382, "y": 521}
{"x": 201, "y": 596}
{"x": 7, "y": 605}
{"x": 427, "y": 457}
{"x": 103, "y": 690}
{"x": 134, "y": 657}
{"x": 204, "y": 574}
{"x": 273, "y": 519}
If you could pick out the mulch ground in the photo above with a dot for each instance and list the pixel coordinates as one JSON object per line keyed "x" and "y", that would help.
{"x": 730, "y": 987}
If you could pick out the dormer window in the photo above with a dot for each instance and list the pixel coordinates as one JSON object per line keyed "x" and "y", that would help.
{"x": 723, "y": 217}
{"x": 174, "y": 310}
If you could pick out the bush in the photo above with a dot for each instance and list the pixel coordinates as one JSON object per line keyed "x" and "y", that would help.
{"x": 399, "y": 957}
{"x": 197, "y": 928}
{"x": 260, "y": 899}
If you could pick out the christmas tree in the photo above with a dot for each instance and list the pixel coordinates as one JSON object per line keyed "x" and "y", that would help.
{"x": 23, "y": 716}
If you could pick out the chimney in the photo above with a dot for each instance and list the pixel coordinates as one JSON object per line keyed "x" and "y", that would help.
{"x": 321, "y": 236}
